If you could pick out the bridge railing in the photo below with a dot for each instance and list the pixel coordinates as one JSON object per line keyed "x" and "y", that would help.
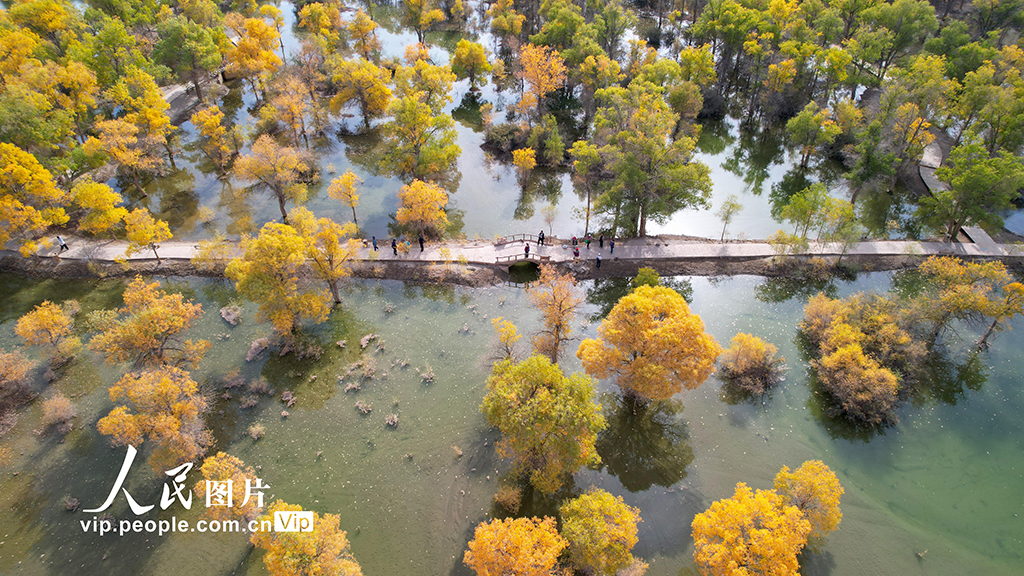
{"x": 517, "y": 238}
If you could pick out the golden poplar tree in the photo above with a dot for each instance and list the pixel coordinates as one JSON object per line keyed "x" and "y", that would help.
{"x": 49, "y": 326}
{"x": 220, "y": 468}
{"x": 601, "y": 531}
{"x": 814, "y": 489}
{"x": 103, "y": 209}
{"x": 267, "y": 273}
{"x": 749, "y": 533}
{"x": 421, "y": 208}
{"x": 548, "y": 421}
{"x": 329, "y": 247}
{"x": 652, "y": 344}
{"x": 362, "y": 32}
{"x": 344, "y": 188}
{"x": 29, "y": 199}
{"x": 143, "y": 231}
{"x": 162, "y": 405}
{"x": 520, "y": 546}
{"x": 324, "y": 550}
{"x": 150, "y": 329}
{"x": 217, "y": 142}
{"x": 543, "y": 71}
{"x": 557, "y": 298}
{"x": 360, "y": 82}
{"x": 275, "y": 168}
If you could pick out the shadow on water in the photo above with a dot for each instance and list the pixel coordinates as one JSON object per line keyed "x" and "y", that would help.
{"x": 947, "y": 379}
{"x": 606, "y": 292}
{"x": 779, "y": 289}
{"x": 757, "y": 152}
{"x": 820, "y": 563}
{"x": 542, "y": 184}
{"x": 645, "y": 444}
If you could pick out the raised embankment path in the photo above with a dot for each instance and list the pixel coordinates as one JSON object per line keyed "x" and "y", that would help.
{"x": 487, "y": 261}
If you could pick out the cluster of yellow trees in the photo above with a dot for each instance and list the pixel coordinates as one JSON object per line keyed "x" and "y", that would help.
{"x": 763, "y": 531}
{"x": 654, "y": 347}
{"x": 872, "y": 346}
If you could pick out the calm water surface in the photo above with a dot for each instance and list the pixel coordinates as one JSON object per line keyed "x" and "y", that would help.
{"x": 947, "y": 480}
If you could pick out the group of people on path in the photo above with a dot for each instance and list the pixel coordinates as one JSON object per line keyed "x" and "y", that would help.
{"x": 576, "y": 245}
{"x": 394, "y": 244}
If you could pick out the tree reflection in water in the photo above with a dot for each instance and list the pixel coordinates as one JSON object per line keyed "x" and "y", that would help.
{"x": 645, "y": 444}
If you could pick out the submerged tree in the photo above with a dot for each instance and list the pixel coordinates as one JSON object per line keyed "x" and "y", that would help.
{"x": 344, "y": 188}
{"x": 749, "y": 533}
{"x": 652, "y": 344}
{"x": 322, "y": 550}
{"x": 267, "y": 273}
{"x": 557, "y": 298}
{"x": 520, "y": 546}
{"x": 601, "y": 531}
{"x": 275, "y": 168}
{"x": 654, "y": 175}
{"x": 548, "y": 421}
{"x": 751, "y": 363}
{"x": 240, "y": 504}
{"x": 150, "y": 329}
{"x": 49, "y": 326}
{"x": 422, "y": 208}
{"x": 814, "y": 489}
{"x": 162, "y": 405}
{"x": 29, "y": 199}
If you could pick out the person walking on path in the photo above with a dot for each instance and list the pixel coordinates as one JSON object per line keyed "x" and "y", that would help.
{"x": 598, "y": 260}
{"x": 611, "y": 244}
{"x": 575, "y": 242}
{"x": 394, "y": 245}
{"x": 576, "y": 253}
{"x": 421, "y": 242}
{"x": 63, "y": 245}
{"x": 375, "y": 244}
{"x": 600, "y": 241}
{"x": 540, "y": 238}
{"x": 527, "y": 249}
{"x": 588, "y": 241}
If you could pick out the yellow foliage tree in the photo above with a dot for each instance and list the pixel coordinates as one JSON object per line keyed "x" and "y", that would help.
{"x": 344, "y": 188}
{"x": 749, "y": 533}
{"x": 421, "y": 208}
{"x": 49, "y": 325}
{"x": 29, "y": 199}
{"x": 324, "y": 550}
{"x": 508, "y": 335}
{"x": 291, "y": 106}
{"x": 143, "y": 231}
{"x": 275, "y": 168}
{"x": 864, "y": 390}
{"x": 134, "y": 152}
{"x": 420, "y": 15}
{"x": 470, "y": 61}
{"x": 601, "y": 531}
{"x": 329, "y": 247}
{"x": 253, "y": 55}
{"x": 519, "y": 546}
{"x": 360, "y": 82}
{"x": 543, "y": 71}
{"x": 267, "y": 273}
{"x": 814, "y": 489}
{"x": 102, "y": 206}
{"x": 150, "y": 329}
{"x": 525, "y": 160}
{"x": 557, "y": 298}
{"x": 218, "y": 144}
{"x": 221, "y": 468}
{"x": 751, "y": 363}
{"x": 505, "y": 21}
{"x": 652, "y": 344}
{"x": 548, "y": 421}
{"x": 163, "y": 405}
{"x": 364, "y": 38}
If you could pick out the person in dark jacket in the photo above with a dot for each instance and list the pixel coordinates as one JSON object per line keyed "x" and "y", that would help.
{"x": 394, "y": 245}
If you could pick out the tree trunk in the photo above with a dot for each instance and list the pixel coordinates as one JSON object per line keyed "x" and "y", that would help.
{"x": 586, "y": 225}
{"x": 153, "y": 246}
{"x": 984, "y": 339}
{"x": 333, "y": 284}
{"x": 170, "y": 153}
{"x": 199, "y": 90}
{"x": 642, "y": 230}
{"x": 354, "y": 219}
{"x": 724, "y": 226}
{"x": 280, "y": 204}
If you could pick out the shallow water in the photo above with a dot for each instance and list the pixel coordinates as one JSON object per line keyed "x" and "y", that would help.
{"x": 947, "y": 479}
